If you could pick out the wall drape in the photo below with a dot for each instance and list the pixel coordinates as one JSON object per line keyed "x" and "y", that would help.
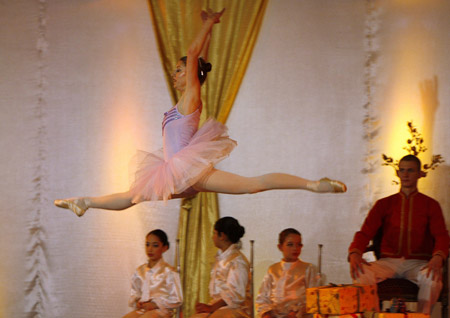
{"x": 230, "y": 49}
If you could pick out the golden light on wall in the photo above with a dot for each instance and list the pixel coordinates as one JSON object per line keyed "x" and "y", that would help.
{"x": 410, "y": 56}
{"x": 121, "y": 132}
{"x": 121, "y": 126}
{"x": 123, "y": 102}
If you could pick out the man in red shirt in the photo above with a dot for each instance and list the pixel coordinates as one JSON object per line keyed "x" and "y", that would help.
{"x": 414, "y": 239}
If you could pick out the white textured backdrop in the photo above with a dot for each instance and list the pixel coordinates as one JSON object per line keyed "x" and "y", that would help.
{"x": 329, "y": 88}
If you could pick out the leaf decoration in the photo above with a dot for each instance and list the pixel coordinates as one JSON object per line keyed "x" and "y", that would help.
{"x": 414, "y": 146}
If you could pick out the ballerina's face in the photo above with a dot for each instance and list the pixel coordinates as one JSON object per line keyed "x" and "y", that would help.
{"x": 179, "y": 76}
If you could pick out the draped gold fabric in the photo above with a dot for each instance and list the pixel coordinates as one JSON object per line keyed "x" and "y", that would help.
{"x": 232, "y": 41}
{"x": 197, "y": 218}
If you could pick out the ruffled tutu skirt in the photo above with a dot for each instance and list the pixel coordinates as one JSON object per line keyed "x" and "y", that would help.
{"x": 153, "y": 178}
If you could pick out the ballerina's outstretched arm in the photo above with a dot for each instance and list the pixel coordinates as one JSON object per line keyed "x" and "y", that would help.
{"x": 190, "y": 99}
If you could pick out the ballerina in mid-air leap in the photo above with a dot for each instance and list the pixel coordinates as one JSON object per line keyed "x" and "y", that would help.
{"x": 185, "y": 164}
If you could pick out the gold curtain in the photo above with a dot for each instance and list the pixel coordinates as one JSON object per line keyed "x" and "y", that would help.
{"x": 176, "y": 22}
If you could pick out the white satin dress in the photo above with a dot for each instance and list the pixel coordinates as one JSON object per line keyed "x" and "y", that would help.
{"x": 159, "y": 284}
{"x": 283, "y": 288}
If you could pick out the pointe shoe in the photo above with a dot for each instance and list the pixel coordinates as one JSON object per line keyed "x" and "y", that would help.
{"x": 72, "y": 204}
{"x": 337, "y": 186}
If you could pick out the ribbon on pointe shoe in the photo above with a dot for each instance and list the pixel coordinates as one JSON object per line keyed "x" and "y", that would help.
{"x": 337, "y": 186}
{"x": 71, "y": 205}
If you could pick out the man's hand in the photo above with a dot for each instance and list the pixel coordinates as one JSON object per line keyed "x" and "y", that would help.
{"x": 268, "y": 315}
{"x": 147, "y": 306}
{"x": 292, "y": 314}
{"x": 434, "y": 267}
{"x": 356, "y": 264}
{"x": 202, "y": 308}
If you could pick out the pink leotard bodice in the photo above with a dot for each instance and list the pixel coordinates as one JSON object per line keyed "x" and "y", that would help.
{"x": 188, "y": 154}
{"x": 177, "y": 130}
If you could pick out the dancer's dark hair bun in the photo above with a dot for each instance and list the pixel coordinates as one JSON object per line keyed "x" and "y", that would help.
{"x": 230, "y": 227}
{"x": 203, "y": 68}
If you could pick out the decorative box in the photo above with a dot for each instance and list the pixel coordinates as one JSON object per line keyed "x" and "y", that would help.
{"x": 341, "y": 299}
{"x": 395, "y": 315}
{"x": 356, "y": 315}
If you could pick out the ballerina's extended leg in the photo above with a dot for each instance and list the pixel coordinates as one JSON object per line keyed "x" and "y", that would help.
{"x": 226, "y": 182}
{"x": 326, "y": 185}
{"x": 77, "y": 205}
{"x": 117, "y": 201}
{"x": 216, "y": 181}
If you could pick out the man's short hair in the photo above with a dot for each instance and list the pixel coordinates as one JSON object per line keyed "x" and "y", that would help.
{"x": 414, "y": 159}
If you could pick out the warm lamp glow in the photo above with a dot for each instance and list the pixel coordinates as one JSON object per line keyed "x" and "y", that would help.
{"x": 121, "y": 132}
{"x": 124, "y": 121}
{"x": 410, "y": 52}
{"x": 398, "y": 140}
{"x": 124, "y": 117}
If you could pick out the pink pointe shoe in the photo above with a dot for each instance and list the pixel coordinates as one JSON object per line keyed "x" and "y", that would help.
{"x": 77, "y": 205}
{"x": 334, "y": 185}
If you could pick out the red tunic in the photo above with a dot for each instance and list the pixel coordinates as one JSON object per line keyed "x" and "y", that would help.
{"x": 413, "y": 227}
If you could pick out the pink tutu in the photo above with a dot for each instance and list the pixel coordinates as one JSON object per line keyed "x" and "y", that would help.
{"x": 157, "y": 179}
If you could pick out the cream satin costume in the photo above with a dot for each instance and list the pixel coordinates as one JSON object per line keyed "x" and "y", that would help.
{"x": 230, "y": 279}
{"x": 159, "y": 284}
{"x": 284, "y": 288}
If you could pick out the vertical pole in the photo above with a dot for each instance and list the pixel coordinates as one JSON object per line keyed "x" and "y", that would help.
{"x": 177, "y": 255}
{"x": 252, "y": 313}
{"x": 319, "y": 264}
{"x": 177, "y": 258}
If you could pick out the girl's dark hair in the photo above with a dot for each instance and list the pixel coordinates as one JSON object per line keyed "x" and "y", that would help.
{"x": 202, "y": 69}
{"x": 283, "y": 234}
{"x": 161, "y": 235}
{"x": 230, "y": 227}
